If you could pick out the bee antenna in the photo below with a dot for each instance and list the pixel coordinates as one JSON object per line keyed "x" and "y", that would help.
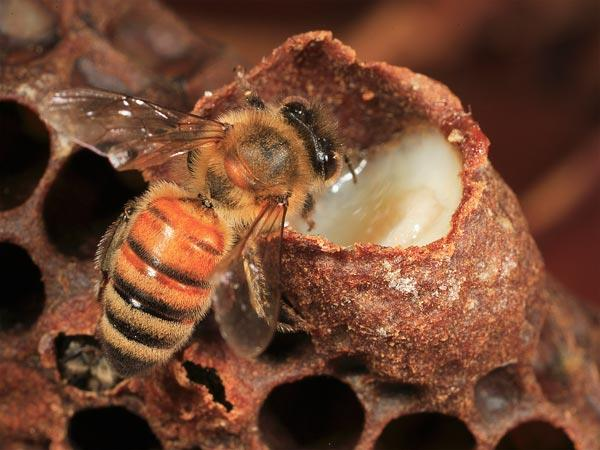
{"x": 252, "y": 98}
{"x": 350, "y": 168}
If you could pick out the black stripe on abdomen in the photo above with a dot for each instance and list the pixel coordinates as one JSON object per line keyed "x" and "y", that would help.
{"x": 136, "y": 334}
{"x": 147, "y": 303}
{"x": 169, "y": 271}
{"x": 159, "y": 215}
{"x": 126, "y": 365}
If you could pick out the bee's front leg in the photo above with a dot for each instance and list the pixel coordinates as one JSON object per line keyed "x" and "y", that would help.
{"x": 307, "y": 209}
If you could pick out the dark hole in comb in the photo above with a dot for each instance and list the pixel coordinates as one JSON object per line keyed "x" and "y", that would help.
{"x": 113, "y": 428}
{"x": 24, "y": 153}
{"x": 43, "y": 444}
{"x": 551, "y": 363}
{"x": 317, "y": 412}
{"x": 208, "y": 376}
{"x": 535, "y": 435}
{"x": 22, "y": 297}
{"x": 498, "y": 392}
{"x": 82, "y": 364}
{"x": 350, "y": 365}
{"x": 286, "y": 345}
{"x": 86, "y": 197}
{"x": 397, "y": 389}
{"x": 425, "y": 431}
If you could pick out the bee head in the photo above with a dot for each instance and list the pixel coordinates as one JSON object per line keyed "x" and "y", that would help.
{"x": 313, "y": 126}
{"x": 278, "y": 150}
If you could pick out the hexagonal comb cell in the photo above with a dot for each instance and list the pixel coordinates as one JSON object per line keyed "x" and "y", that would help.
{"x": 28, "y": 28}
{"x": 535, "y": 435}
{"x": 557, "y": 364}
{"x": 426, "y": 431}
{"x": 286, "y": 345}
{"x": 315, "y": 412}
{"x": 160, "y": 43}
{"x": 111, "y": 427}
{"x": 24, "y": 153}
{"x": 22, "y": 299}
{"x": 82, "y": 364}
{"x": 86, "y": 197}
{"x": 349, "y": 365}
{"x": 498, "y": 393}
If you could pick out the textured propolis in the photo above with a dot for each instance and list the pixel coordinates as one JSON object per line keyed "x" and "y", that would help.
{"x": 462, "y": 343}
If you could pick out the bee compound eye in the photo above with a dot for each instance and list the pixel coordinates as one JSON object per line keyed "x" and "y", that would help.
{"x": 295, "y": 109}
{"x": 327, "y": 158}
{"x": 326, "y": 144}
{"x": 329, "y": 167}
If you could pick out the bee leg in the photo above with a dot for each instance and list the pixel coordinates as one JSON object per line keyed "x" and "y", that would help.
{"x": 205, "y": 200}
{"x": 112, "y": 239}
{"x": 307, "y": 209}
{"x": 109, "y": 243}
{"x": 285, "y": 328}
{"x": 293, "y": 320}
{"x": 350, "y": 168}
{"x": 100, "y": 285}
{"x": 190, "y": 161}
{"x": 252, "y": 98}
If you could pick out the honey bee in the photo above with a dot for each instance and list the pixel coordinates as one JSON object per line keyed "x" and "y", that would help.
{"x": 212, "y": 238}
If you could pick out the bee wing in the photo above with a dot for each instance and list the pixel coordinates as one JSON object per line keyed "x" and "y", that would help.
{"x": 247, "y": 292}
{"x": 133, "y": 133}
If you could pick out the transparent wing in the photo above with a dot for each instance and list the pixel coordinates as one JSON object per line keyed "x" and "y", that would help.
{"x": 133, "y": 133}
{"x": 247, "y": 291}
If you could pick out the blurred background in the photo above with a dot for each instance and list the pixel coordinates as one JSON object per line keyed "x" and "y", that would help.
{"x": 529, "y": 70}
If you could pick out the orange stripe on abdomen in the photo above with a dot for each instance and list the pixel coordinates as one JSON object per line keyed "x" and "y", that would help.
{"x": 138, "y": 273}
{"x": 170, "y": 246}
{"x": 196, "y": 222}
{"x": 171, "y": 252}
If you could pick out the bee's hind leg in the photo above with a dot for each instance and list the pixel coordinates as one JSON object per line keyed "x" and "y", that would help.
{"x": 292, "y": 321}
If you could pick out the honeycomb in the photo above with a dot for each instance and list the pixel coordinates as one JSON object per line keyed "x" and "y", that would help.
{"x": 459, "y": 344}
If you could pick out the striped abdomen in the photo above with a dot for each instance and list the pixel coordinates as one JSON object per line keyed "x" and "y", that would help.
{"x": 159, "y": 286}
